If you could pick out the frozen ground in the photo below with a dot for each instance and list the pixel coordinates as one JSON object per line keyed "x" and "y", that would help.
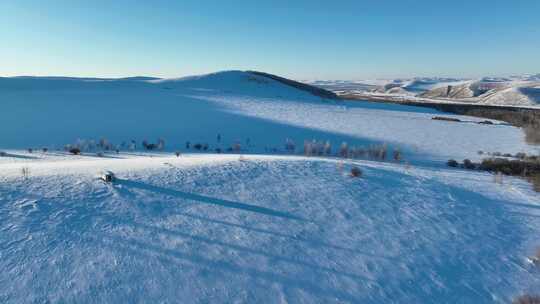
{"x": 258, "y": 228}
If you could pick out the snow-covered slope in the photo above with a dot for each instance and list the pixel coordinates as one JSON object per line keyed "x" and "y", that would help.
{"x": 419, "y": 85}
{"x": 460, "y": 91}
{"x": 237, "y": 105}
{"x": 491, "y": 91}
{"x": 262, "y": 227}
{"x": 520, "y": 95}
{"x": 266, "y": 229}
{"x": 409, "y": 86}
{"x": 514, "y": 91}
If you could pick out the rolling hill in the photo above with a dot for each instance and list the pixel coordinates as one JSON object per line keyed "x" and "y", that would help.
{"x": 248, "y": 219}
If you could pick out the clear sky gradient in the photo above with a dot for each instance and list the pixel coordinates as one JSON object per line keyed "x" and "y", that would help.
{"x": 302, "y": 39}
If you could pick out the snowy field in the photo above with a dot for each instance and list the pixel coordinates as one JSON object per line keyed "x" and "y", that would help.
{"x": 261, "y": 227}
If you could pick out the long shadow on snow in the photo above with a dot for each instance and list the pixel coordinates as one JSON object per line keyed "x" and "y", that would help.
{"x": 454, "y": 259}
{"x": 170, "y": 256}
{"x": 210, "y": 200}
{"x": 19, "y": 156}
{"x": 294, "y": 238}
{"x": 176, "y": 118}
{"x": 248, "y": 250}
{"x": 500, "y": 234}
{"x": 260, "y": 127}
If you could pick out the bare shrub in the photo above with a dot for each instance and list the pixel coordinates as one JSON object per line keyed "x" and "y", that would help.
{"x": 452, "y": 163}
{"x": 526, "y": 168}
{"x": 520, "y": 155}
{"x": 356, "y": 172}
{"x": 498, "y": 178}
{"x": 75, "y": 151}
{"x": 353, "y": 152}
{"x": 533, "y": 158}
{"x": 468, "y": 164}
{"x": 316, "y": 147}
{"x": 536, "y": 258}
{"x": 236, "y": 147}
{"x": 289, "y": 145}
{"x": 308, "y": 149}
{"x": 25, "y": 171}
{"x": 527, "y": 299}
{"x": 104, "y": 144}
{"x": 148, "y": 146}
{"x": 160, "y": 144}
{"x": 532, "y": 134}
{"x": 327, "y": 148}
{"x": 535, "y": 181}
{"x": 511, "y": 167}
{"x": 446, "y": 118}
{"x": 397, "y": 155}
{"x": 377, "y": 152}
{"x": 344, "y": 150}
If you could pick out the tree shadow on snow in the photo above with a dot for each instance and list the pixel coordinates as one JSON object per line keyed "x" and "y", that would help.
{"x": 248, "y": 250}
{"x": 19, "y": 156}
{"x": 210, "y": 200}
{"x": 171, "y": 256}
{"x": 294, "y": 238}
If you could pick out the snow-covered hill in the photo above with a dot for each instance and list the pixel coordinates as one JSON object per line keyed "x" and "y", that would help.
{"x": 491, "y": 91}
{"x": 236, "y": 105}
{"x": 511, "y": 91}
{"x": 265, "y": 229}
{"x": 411, "y": 86}
{"x": 515, "y": 95}
{"x": 264, "y": 226}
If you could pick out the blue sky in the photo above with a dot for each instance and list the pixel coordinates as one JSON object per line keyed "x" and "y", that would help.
{"x": 299, "y": 39}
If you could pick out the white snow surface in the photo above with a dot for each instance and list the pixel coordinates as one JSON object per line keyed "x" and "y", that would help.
{"x": 254, "y": 228}
{"x": 516, "y": 95}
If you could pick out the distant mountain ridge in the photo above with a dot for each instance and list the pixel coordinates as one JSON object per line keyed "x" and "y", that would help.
{"x": 521, "y": 90}
{"x": 490, "y": 91}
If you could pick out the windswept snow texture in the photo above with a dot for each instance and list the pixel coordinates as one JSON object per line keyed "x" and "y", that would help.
{"x": 225, "y": 228}
{"x": 267, "y": 229}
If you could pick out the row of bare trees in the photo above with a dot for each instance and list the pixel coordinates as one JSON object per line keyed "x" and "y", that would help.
{"x": 324, "y": 148}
